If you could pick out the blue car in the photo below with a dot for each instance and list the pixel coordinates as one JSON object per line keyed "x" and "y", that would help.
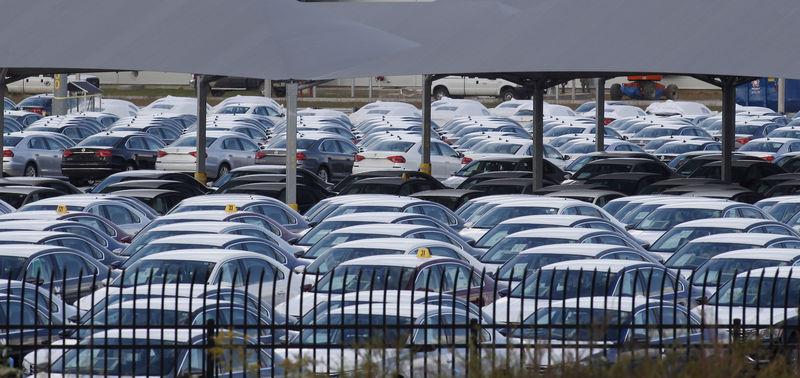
{"x": 328, "y": 155}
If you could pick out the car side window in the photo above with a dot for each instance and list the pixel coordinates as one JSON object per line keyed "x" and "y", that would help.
{"x": 83, "y": 231}
{"x": 119, "y": 214}
{"x": 329, "y": 146}
{"x": 42, "y": 268}
{"x": 231, "y": 273}
{"x": 432, "y": 235}
{"x": 135, "y": 143}
{"x": 273, "y": 212}
{"x": 262, "y": 248}
{"x": 597, "y": 226}
{"x": 608, "y": 239}
{"x": 257, "y": 267}
{"x": 589, "y": 211}
{"x": 21, "y": 313}
{"x": 750, "y": 213}
{"x": 778, "y": 230}
{"x": 447, "y": 150}
{"x": 96, "y": 224}
{"x": 231, "y": 144}
{"x": 37, "y": 144}
{"x": 445, "y": 252}
{"x": 657, "y": 279}
{"x": 429, "y": 278}
{"x": 73, "y": 265}
{"x": 347, "y": 148}
{"x": 248, "y": 145}
{"x": 76, "y": 244}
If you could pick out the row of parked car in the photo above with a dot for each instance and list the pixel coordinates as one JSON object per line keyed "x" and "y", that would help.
{"x": 387, "y": 258}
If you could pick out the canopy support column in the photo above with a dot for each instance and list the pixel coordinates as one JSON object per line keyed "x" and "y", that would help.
{"x": 3, "y": 89}
{"x": 538, "y": 133}
{"x": 728, "y": 127}
{"x": 600, "y": 106}
{"x": 200, "y": 149}
{"x": 291, "y": 144}
{"x": 425, "y": 165}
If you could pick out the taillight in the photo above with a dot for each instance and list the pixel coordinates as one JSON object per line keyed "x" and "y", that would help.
{"x": 66, "y": 154}
{"x": 358, "y": 158}
{"x": 194, "y": 153}
{"x": 606, "y": 121}
{"x": 743, "y": 140}
{"x": 260, "y": 155}
{"x": 162, "y": 153}
{"x": 301, "y": 156}
{"x": 448, "y": 142}
{"x": 34, "y": 110}
{"x": 104, "y": 153}
{"x": 8, "y": 153}
{"x": 397, "y": 159}
{"x": 769, "y": 158}
{"x": 466, "y": 160}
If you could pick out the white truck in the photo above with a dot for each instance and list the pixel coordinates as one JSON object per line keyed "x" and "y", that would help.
{"x": 458, "y": 86}
{"x": 44, "y": 83}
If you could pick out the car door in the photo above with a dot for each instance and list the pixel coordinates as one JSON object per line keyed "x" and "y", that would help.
{"x": 120, "y": 215}
{"x": 77, "y": 276}
{"x": 247, "y": 156}
{"x": 148, "y": 157}
{"x": 43, "y": 156}
{"x": 331, "y": 156}
{"x": 444, "y": 159}
{"x": 137, "y": 151}
{"x": 349, "y": 150}
{"x": 24, "y": 324}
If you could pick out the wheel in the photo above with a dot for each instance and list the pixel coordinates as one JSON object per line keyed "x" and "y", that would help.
{"x": 671, "y": 92}
{"x": 440, "y": 92}
{"x": 507, "y": 94}
{"x": 130, "y": 166}
{"x": 31, "y": 171}
{"x": 648, "y": 89}
{"x": 616, "y": 92}
{"x": 223, "y": 170}
{"x": 322, "y": 172}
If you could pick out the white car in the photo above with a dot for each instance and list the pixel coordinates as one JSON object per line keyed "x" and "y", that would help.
{"x": 380, "y": 109}
{"x": 448, "y": 108}
{"x": 508, "y": 108}
{"x": 404, "y": 154}
{"x": 678, "y": 108}
{"x": 225, "y": 151}
{"x": 525, "y": 113}
{"x": 173, "y": 105}
{"x": 474, "y": 86}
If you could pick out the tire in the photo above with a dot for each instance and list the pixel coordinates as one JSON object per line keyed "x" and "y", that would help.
{"x": 223, "y": 170}
{"x": 507, "y": 94}
{"x": 671, "y": 92}
{"x": 616, "y": 92}
{"x": 648, "y": 89}
{"x": 130, "y": 166}
{"x": 440, "y": 92}
{"x": 31, "y": 170}
{"x": 323, "y": 173}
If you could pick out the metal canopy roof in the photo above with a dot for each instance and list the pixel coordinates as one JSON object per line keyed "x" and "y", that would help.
{"x": 281, "y": 39}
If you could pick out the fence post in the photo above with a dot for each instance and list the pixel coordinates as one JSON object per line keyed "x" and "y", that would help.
{"x": 737, "y": 330}
{"x": 210, "y": 360}
{"x": 474, "y": 344}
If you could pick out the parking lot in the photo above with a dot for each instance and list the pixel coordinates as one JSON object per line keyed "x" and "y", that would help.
{"x": 116, "y": 261}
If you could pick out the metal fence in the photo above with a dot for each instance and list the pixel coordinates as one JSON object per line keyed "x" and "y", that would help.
{"x": 391, "y": 321}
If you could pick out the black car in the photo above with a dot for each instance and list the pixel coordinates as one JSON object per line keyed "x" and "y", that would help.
{"x": 19, "y": 196}
{"x": 150, "y": 174}
{"x": 621, "y": 165}
{"x": 551, "y": 171}
{"x": 310, "y": 177}
{"x": 387, "y": 185}
{"x": 273, "y": 178}
{"x": 186, "y": 190}
{"x": 45, "y": 182}
{"x": 99, "y": 156}
{"x": 452, "y": 198}
{"x": 629, "y": 183}
{"x": 481, "y": 177}
{"x": 745, "y": 172}
{"x": 160, "y": 200}
{"x": 435, "y": 184}
{"x": 691, "y": 164}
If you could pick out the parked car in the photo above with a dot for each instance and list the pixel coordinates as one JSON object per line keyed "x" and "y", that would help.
{"x": 224, "y": 150}
{"x": 33, "y": 154}
{"x": 330, "y": 156}
{"x": 99, "y": 156}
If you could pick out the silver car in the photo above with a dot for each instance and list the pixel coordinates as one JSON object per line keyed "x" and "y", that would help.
{"x": 34, "y": 153}
{"x": 225, "y": 150}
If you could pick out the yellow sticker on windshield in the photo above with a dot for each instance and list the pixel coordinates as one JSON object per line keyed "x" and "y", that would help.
{"x": 230, "y": 208}
{"x": 423, "y": 252}
{"x": 61, "y": 209}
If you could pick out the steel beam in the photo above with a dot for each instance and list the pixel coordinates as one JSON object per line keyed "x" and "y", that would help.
{"x": 600, "y": 106}
{"x": 538, "y": 131}
{"x": 291, "y": 144}
{"x": 425, "y": 165}
{"x": 728, "y": 126}
{"x": 3, "y": 91}
{"x": 201, "y": 85}
{"x": 782, "y": 95}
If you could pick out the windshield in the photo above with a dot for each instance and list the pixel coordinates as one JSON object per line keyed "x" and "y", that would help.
{"x": 393, "y": 146}
{"x": 500, "y": 231}
{"x": 336, "y": 256}
{"x": 332, "y": 240}
{"x": 510, "y": 247}
{"x": 11, "y": 141}
{"x": 591, "y": 170}
{"x": 678, "y": 237}
{"x": 302, "y": 144}
{"x": 144, "y": 238}
{"x": 361, "y": 209}
{"x": 323, "y": 229}
{"x": 16, "y": 200}
{"x": 692, "y": 255}
{"x": 563, "y": 284}
{"x": 664, "y": 219}
{"x": 762, "y": 146}
{"x": 524, "y": 264}
{"x": 499, "y": 148}
{"x": 130, "y": 361}
{"x": 357, "y": 330}
{"x": 591, "y": 324}
{"x": 351, "y": 278}
{"x": 146, "y": 272}
{"x": 500, "y": 214}
{"x": 191, "y": 141}
{"x": 755, "y": 291}
{"x": 677, "y": 148}
{"x": 717, "y": 272}
{"x": 654, "y": 132}
{"x": 782, "y": 212}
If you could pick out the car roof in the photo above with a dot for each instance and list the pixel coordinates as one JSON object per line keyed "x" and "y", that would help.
{"x": 206, "y": 239}
{"x": 611, "y": 303}
{"x": 557, "y": 232}
{"x": 776, "y": 254}
{"x": 200, "y": 254}
{"x": 587, "y": 249}
{"x": 27, "y": 250}
{"x": 742, "y": 238}
{"x": 565, "y": 220}
{"x": 30, "y": 236}
{"x": 601, "y": 265}
{"x": 374, "y": 217}
{"x": 409, "y": 261}
{"x": 738, "y": 223}
{"x": 389, "y": 229}
{"x": 703, "y": 204}
{"x": 25, "y": 189}
{"x": 771, "y": 272}
{"x": 208, "y": 226}
{"x": 404, "y": 244}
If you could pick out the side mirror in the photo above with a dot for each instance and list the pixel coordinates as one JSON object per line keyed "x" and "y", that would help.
{"x": 624, "y": 137}
{"x": 566, "y": 157}
{"x": 115, "y": 264}
{"x": 702, "y": 300}
{"x": 502, "y": 293}
{"x": 298, "y": 254}
{"x": 293, "y": 240}
{"x": 472, "y": 242}
{"x": 307, "y": 287}
{"x": 567, "y": 176}
{"x": 300, "y": 269}
{"x": 629, "y": 226}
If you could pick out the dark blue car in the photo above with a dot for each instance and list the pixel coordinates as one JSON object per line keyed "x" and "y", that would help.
{"x": 330, "y": 156}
